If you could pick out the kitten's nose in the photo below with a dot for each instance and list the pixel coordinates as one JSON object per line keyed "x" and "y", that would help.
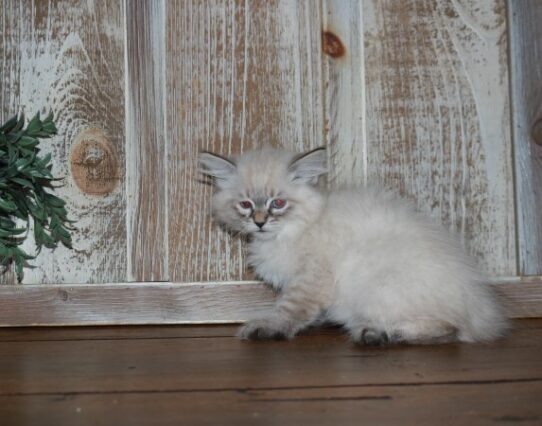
{"x": 259, "y": 218}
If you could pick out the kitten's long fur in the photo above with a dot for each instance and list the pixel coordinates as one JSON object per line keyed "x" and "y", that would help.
{"x": 357, "y": 257}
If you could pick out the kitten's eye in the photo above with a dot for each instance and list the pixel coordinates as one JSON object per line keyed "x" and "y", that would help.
{"x": 278, "y": 203}
{"x": 245, "y": 205}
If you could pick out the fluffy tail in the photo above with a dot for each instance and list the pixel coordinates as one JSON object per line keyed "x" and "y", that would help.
{"x": 485, "y": 319}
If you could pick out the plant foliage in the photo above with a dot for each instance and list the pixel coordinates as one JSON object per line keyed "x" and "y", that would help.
{"x": 26, "y": 192}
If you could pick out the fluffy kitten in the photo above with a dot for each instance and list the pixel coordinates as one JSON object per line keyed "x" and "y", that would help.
{"x": 357, "y": 257}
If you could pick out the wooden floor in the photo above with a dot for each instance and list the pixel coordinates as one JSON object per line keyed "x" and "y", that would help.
{"x": 184, "y": 375}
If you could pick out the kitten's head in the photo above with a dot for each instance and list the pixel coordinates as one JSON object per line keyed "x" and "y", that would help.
{"x": 265, "y": 192}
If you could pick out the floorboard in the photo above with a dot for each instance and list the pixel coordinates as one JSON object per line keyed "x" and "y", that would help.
{"x": 204, "y": 375}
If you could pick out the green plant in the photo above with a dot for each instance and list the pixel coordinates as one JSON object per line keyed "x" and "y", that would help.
{"x": 26, "y": 186}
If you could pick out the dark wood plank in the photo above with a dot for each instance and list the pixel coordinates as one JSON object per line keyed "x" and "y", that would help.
{"x": 32, "y": 334}
{"x": 210, "y": 364}
{"x": 147, "y": 148}
{"x": 475, "y": 404}
{"x": 27, "y": 334}
{"x": 314, "y": 380}
{"x": 183, "y": 331}
{"x": 526, "y": 79}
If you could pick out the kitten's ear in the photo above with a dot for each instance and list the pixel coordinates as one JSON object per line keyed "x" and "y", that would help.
{"x": 220, "y": 168}
{"x": 307, "y": 167}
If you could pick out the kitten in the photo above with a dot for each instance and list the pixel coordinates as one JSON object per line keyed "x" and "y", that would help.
{"x": 356, "y": 257}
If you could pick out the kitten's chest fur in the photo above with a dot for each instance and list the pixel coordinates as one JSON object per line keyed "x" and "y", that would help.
{"x": 274, "y": 261}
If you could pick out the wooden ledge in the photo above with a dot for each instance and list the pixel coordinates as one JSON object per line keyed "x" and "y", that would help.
{"x": 175, "y": 303}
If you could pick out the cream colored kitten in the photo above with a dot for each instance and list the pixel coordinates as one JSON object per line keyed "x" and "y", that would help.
{"x": 357, "y": 257}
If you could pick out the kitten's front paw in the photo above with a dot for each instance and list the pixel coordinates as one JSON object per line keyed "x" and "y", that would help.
{"x": 265, "y": 329}
{"x": 372, "y": 337}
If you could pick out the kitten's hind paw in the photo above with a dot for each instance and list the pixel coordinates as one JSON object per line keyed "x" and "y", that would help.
{"x": 372, "y": 337}
{"x": 264, "y": 330}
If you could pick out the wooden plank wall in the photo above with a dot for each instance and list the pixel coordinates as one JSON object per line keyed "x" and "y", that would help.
{"x": 525, "y": 17}
{"x": 146, "y": 144}
{"x": 344, "y": 79}
{"x": 67, "y": 57}
{"x": 412, "y": 95}
{"x": 240, "y": 74}
{"x": 438, "y": 126}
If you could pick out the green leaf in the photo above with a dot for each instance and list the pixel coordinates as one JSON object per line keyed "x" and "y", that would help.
{"x": 23, "y": 182}
{"x": 19, "y": 125}
{"x": 6, "y": 223}
{"x": 11, "y": 232}
{"x": 23, "y": 163}
{"x": 34, "y": 125}
{"x": 9, "y": 125}
{"x": 42, "y": 237}
{"x": 8, "y": 206}
{"x": 28, "y": 141}
{"x": 50, "y": 128}
{"x": 45, "y": 160}
{"x": 54, "y": 201}
{"x": 5, "y": 251}
{"x": 27, "y": 191}
{"x": 38, "y": 212}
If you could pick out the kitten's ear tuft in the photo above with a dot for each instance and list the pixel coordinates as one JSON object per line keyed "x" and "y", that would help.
{"x": 220, "y": 168}
{"x": 307, "y": 167}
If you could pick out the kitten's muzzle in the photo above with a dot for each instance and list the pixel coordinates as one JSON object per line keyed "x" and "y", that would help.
{"x": 259, "y": 218}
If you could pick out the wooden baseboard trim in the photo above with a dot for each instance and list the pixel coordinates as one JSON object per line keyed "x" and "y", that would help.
{"x": 522, "y": 299}
{"x": 131, "y": 303}
{"x": 173, "y": 303}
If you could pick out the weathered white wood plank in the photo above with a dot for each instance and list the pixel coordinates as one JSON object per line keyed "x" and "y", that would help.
{"x": 438, "y": 116}
{"x": 67, "y": 56}
{"x": 10, "y": 68}
{"x": 141, "y": 303}
{"x": 146, "y": 148}
{"x": 173, "y": 303}
{"x": 240, "y": 74}
{"x": 522, "y": 298}
{"x": 344, "y": 75}
{"x": 525, "y": 17}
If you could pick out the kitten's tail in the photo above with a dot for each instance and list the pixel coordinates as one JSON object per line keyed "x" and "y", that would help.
{"x": 486, "y": 319}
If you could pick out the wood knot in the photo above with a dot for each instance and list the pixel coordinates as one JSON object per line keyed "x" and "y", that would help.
{"x": 93, "y": 163}
{"x": 536, "y": 133}
{"x": 63, "y": 294}
{"x": 332, "y": 45}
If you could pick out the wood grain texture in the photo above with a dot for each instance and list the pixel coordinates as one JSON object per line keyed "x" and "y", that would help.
{"x": 438, "y": 116}
{"x": 131, "y": 377}
{"x": 141, "y": 303}
{"x": 67, "y": 57}
{"x": 241, "y": 74}
{"x": 114, "y": 332}
{"x": 200, "y": 364}
{"x": 173, "y": 303}
{"x": 526, "y": 78}
{"x": 147, "y": 146}
{"x": 522, "y": 299}
{"x": 468, "y": 404}
{"x": 344, "y": 108}
{"x": 105, "y": 332}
